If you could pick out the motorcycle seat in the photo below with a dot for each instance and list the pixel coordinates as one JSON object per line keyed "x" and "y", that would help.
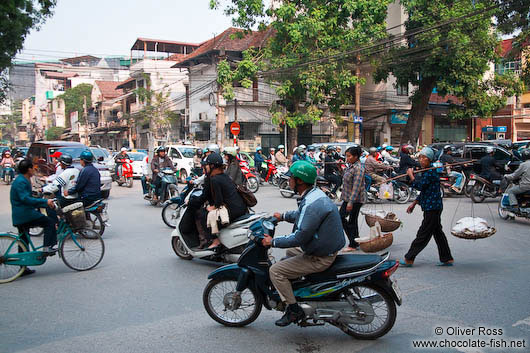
{"x": 93, "y": 204}
{"x": 346, "y": 263}
{"x": 244, "y": 219}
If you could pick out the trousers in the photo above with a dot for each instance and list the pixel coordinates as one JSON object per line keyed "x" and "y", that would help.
{"x": 350, "y": 222}
{"x": 513, "y": 191}
{"x": 296, "y": 265}
{"x": 431, "y": 226}
{"x": 335, "y": 180}
{"x": 46, "y": 222}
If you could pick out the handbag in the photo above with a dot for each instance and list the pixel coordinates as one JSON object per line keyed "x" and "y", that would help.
{"x": 247, "y": 195}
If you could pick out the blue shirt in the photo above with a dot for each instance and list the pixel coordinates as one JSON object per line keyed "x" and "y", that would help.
{"x": 88, "y": 184}
{"x": 430, "y": 198}
{"x": 23, "y": 205}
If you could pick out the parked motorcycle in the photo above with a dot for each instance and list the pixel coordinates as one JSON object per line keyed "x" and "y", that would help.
{"x": 125, "y": 173}
{"x": 523, "y": 204}
{"x": 168, "y": 177}
{"x": 356, "y": 294}
{"x": 9, "y": 173}
{"x": 185, "y": 238}
{"x": 483, "y": 188}
{"x": 252, "y": 180}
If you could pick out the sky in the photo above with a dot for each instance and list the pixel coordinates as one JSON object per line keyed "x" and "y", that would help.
{"x": 110, "y": 27}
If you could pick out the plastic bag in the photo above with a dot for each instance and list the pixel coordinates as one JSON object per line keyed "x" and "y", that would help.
{"x": 386, "y": 191}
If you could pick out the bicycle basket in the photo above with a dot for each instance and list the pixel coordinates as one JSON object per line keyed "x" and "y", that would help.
{"x": 75, "y": 215}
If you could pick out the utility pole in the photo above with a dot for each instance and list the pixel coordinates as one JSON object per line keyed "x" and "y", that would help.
{"x": 235, "y": 119}
{"x": 356, "y": 127}
{"x": 220, "y": 121}
{"x": 85, "y": 116}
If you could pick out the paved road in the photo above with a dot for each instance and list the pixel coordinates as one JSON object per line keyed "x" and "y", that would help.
{"x": 142, "y": 298}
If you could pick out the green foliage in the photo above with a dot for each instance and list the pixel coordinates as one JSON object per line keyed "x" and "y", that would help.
{"x": 54, "y": 133}
{"x": 8, "y": 123}
{"x": 453, "y": 58}
{"x": 17, "y": 18}
{"x": 304, "y": 30}
{"x": 74, "y": 101}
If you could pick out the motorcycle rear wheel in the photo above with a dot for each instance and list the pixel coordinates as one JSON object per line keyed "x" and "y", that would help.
{"x": 476, "y": 193}
{"x": 284, "y": 185}
{"x": 129, "y": 182}
{"x": 221, "y": 292}
{"x": 358, "y": 331}
{"x": 179, "y": 249}
{"x": 95, "y": 222}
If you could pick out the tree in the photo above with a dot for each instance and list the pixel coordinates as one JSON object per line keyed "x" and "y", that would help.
{"x": 74, "y": 100}
{"x": 17, "y": 18}
{"x": 452, "y": 58}
{"x": 156, "y": 112}
{"x": 9, "y": 123}
{"x": 305, "y": 31}
{"x": 54, "y": 133}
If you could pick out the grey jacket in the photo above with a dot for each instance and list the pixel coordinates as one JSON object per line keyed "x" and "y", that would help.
{"x": 522, "y": 173}
{"x": 317, "y": 226}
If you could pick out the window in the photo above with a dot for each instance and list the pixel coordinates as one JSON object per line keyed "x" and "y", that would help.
{"x": 509, "y": 66}
{"x": 188, "y": 152}
{"x": 501, "y": 155}
{"x": 173, "y": 153}
{"x": 402, "y": 90}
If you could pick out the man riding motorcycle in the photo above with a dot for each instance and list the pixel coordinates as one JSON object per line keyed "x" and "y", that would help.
{"x": 280, "y": 158}
{"x": 88, "y": 184}
{"x": 488, "y": 166}
{"x": 447, "y": 158}
{"x": 118, "y": 159}
{"x": 523, "y": 174}
{"x": 386, "y": 153}
{"x": 299, "y": 154}
{"x": 405, "y": 160}
{"x": 64, "y": 181}
{"x": 317, "y": 231}
{"x": 159, "y": 162}
{"x": 331, "y": 169}
{"x": 372, "y": 167}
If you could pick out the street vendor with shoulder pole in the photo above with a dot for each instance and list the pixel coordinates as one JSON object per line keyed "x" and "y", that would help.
{"x": 430, "y": 200}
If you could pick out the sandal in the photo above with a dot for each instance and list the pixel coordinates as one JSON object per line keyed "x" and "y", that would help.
{"x": 448, "y": 263}
{"x": 405, "y": 263}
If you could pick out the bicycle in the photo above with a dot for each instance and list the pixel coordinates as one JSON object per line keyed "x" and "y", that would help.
{"x": 81, "y": 249}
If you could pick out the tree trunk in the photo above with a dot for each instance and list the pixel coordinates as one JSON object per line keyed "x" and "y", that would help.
{"x": 417, "y": 112}
{"x": 292, "y": 140}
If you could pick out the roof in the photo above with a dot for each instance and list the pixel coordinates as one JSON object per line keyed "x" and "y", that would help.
{"x": 59, "y": 75}
{"x": 58, "y": 143}
{"x": 176, "y": 57}
{"x": 108, "y": 89}
{"x": 125, "y": 83}
{"x": 80, "y": 59}
{"x": 225, "y": 42}
{"x": 164, "y": 46}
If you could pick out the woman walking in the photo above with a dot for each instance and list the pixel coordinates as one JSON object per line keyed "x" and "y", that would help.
{"x": 430, "y": 200}
{"x": 353, "y": 196}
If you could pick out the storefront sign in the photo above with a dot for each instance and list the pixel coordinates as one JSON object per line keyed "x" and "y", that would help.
{"x": 356, "y": 119}
{"x": 399, "y": 117}
{"x": 494, "y": 129}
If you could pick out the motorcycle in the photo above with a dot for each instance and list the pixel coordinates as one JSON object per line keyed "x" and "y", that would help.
{"x": 483, "y": 188}
{"x": 173, "y": 206}
{"x": 168, "y": 177}
{"x": 401, "y": 191}
{"x": 252, "y": 180}
{"x": 125, "y": 173}
{"x": 356, "y": 294}
{"x": 9, "y": 172}
{"x": 285, "y": 189}
{"x": 273, "y": 175}
{"x": 523, "y": 204}
{"x": 185, "y": 238}
{"x": 325, "y": 185}
{"x": 97, "y": 216}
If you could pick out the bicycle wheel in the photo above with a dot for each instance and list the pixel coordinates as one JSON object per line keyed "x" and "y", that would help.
{"x": 95, "y": 222}
{"x": 82, "y": 251}
{"x": 8, "y": 272}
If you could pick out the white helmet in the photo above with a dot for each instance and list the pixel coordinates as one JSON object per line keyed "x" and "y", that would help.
{"x": 384, "y": 145}
{"x": 281, "y": 146}
{"x": 123, "y": 149}
{"x": 489, "y": 150}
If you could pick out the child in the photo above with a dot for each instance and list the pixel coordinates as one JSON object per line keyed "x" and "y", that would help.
{"x": 7, "y": 160}
{"x": 430, "y": 200}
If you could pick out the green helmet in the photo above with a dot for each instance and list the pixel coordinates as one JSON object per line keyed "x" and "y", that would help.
{"x": 304, "y": 171}
{"x": 86, "y": 156}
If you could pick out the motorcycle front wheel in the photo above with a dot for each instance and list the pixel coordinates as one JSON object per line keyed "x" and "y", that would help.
{"x": 253, "y": 184}
{"x": 285, "y": 190}
{"x": 170, "y": 214}
{"x": 129, "y": 182}
{"x": 179, "y": 249}
{"x": 225, "y": 306}
{"x": 476, "y": 193}
{"x": 384, "y": 313}
{"x": 401, "y": 193}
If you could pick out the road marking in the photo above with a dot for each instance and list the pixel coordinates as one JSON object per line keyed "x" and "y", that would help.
{"x": 522, "y": 322}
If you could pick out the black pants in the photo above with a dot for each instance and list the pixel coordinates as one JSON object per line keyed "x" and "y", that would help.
{"x": 431, "y": 226}
{"x": 46, "y": 222}
{"x": 351, "y": 224}
{"x": 335, "y": 180}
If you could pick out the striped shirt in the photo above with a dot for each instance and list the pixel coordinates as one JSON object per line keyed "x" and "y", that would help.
{"x": 353, "y": 189}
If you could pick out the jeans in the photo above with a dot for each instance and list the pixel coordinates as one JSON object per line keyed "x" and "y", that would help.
{"x": 458, "y": 181}
{"x": 46, "y": 222}
{"x": 431, "y": 226}
{"x": 351, "y": 225}
{"x": 335, "y": 180}
{"x": 513, "y": 191}
{"x": 144, "y": 185}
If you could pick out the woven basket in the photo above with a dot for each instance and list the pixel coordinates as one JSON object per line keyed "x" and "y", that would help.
{"x": 387, "y": 225}
{"x": 377, "y": 244}
{"x": 471, "y": 235}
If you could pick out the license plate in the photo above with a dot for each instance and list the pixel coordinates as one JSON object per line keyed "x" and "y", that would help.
{"x": 396, "y": 289}
{"x": 471, "y": 182}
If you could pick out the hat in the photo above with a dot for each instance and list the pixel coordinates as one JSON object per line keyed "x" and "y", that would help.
{"x": 427, "y": 152}
{"x": 56, "y": 154}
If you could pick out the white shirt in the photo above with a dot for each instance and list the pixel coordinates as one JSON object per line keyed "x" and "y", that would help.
{"x": 66, "y": 180}
{"x": 58, "y": 170}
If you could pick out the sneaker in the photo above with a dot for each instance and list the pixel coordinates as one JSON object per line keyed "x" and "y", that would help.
{"x": 27, "y": 271}
{"x": 49, "y": 250}
{"x": 293, "y": 313}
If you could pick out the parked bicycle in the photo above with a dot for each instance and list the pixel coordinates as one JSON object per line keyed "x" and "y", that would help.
{"x": 81, "y": 249}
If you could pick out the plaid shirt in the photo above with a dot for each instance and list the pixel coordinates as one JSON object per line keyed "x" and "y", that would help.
{"x": 353, "y": 189}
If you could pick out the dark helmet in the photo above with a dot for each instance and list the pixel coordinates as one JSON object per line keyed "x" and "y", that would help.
{"x": 331, "y": 148}
{"x": 198, "y": 152}
{"x": 65, "y": 159}
{"x": 86, "y": 156}
{"x": 215, "y": 159}
{"x": 525, "y": 154}
{"x": 160, "y": 149}
{"x": 448, "y": 148}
